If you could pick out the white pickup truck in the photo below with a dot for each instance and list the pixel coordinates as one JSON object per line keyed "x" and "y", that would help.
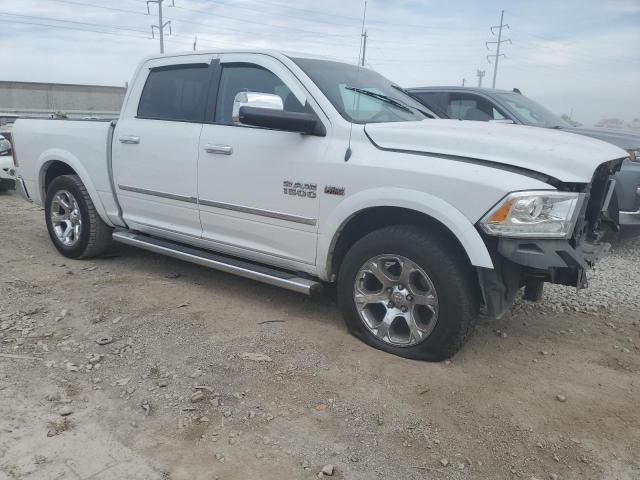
{"x": 297, "y": 171}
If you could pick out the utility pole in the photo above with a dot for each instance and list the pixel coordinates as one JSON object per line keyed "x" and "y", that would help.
{"x": 500, "y": 41}
{"x": 160, "y": 26}
{"x": 480, "y": 74}
{"x": 195, "y": 43}
{"x": 464, "y": 80}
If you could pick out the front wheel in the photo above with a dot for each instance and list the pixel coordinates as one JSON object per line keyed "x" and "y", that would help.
{"x": 407, "y": 291}
{"x": 75, "y": 228}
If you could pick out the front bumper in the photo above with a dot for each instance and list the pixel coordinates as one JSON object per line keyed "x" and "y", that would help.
{"x": 7, "y": 183}
{"x": 7, "y": 173}
{"x": 530, "y": 263}
{"x": 631, "y": 218}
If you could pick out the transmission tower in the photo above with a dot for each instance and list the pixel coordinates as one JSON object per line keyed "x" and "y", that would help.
{"x": 497, "y": 44}
{"x": 160, "y": 26}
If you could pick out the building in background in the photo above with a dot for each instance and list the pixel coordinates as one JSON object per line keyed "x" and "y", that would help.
{"x": 33, "y": 99}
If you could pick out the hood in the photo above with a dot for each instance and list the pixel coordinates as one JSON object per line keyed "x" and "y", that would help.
{"x": 564, "y": 156}
{"x": 626, "y": 139}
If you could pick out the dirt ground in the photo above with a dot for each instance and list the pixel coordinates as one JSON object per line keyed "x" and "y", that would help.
{"x": 208, "y": 376}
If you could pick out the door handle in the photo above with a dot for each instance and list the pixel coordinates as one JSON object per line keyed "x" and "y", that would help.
{"x": 130, "y": 139}
{"x": 220, "y": 149}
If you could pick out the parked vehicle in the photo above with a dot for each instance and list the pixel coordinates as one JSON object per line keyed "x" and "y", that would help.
{"x": 295, "y": 171}
{"x": 7, "y": 172}
{"x": 468, "y": 103}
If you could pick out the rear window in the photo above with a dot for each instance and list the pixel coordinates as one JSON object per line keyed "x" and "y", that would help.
{"x": 175, "y": 93}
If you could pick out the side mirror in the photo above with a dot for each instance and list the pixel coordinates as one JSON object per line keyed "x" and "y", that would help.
{"x": 266, "y": 110}
{"x": 256, "y": 100}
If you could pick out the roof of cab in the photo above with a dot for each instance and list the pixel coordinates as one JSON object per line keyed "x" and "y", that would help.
{"x": 272, "y": 53}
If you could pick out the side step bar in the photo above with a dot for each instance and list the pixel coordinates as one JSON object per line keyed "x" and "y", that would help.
{"x": 242, "y": 268}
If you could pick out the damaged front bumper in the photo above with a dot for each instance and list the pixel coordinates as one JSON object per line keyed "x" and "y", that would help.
{"x": 530, "y": 263}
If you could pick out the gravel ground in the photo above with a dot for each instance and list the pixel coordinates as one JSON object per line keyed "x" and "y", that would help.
{"x": 138, "y": 366}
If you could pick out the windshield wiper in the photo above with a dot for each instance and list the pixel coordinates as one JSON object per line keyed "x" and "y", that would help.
{"x": 380, "y": 96}
{"x": 408, "y": 94}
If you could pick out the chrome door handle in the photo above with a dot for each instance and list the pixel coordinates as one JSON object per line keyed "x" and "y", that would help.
{"x": 131, "y": 139}
{"x": 221, "y": 149}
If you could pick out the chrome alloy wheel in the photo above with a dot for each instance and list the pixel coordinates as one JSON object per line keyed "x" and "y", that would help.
{"x": 396, "y": 300}
{"x": 65, "y": 218}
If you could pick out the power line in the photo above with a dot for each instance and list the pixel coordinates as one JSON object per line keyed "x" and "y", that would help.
{"x": 52, "y": 19}
{"x": 500, "y": 41}
{"x": 64, "y": 27}
{"x": 217, "y": 27}
{"x": 45, "y": 22}
{"x": 262, "y": 24}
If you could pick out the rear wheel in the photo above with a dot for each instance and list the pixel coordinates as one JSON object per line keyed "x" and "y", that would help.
{"x": 75, "y": 228}
{"x": 407, "y": 291}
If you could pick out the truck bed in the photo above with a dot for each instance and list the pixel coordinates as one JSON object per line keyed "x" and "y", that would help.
{"x": 85, "y": 145}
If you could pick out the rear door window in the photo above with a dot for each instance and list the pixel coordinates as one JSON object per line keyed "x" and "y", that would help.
{"x": 175, "y": 93}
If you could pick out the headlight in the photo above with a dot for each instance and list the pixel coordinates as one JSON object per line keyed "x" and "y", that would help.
{"x": 534, "y": 214}
{"x": 634, "y": 155}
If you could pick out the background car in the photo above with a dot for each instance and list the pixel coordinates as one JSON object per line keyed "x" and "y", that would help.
{"x": 484, "y": 104}
{"x": 7, "y": 172}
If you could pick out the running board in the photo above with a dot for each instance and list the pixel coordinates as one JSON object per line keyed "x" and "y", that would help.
{"x": 242, "y": 268}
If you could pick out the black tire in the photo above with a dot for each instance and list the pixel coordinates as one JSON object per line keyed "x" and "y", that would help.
{"x": 453, "y": 278}
{"x": 95, "y": 235}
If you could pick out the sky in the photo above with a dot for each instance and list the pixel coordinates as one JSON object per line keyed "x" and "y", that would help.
{"x": 573, "y": 56}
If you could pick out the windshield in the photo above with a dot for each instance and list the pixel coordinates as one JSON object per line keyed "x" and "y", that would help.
{"x": 530, "y": 112}
{"x": 362, "y": 95}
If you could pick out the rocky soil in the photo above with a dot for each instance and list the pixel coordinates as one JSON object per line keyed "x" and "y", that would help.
{"x": 137, "y": 366}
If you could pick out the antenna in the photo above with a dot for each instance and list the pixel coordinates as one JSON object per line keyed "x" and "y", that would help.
{"x": 363, "y": 38}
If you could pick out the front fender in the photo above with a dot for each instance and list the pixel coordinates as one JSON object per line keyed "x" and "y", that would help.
{"x": 59, "y": 155}
{"x": 434, "y": 207}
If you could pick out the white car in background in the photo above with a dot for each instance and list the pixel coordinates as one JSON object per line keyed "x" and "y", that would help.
{"x": 7, "y": 171}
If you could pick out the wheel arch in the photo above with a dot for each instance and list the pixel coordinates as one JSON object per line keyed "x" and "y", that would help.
{"x": 54, "y": 163}
{"x": 380, "y": 209}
